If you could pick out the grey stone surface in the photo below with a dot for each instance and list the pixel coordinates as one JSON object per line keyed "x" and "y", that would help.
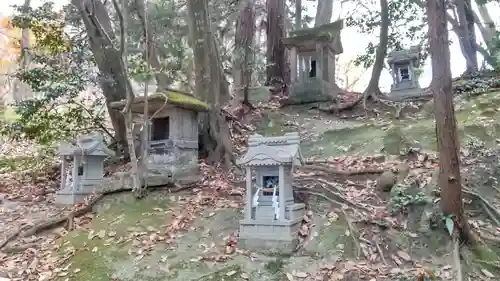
{"x": 404, "y": 71}
{"x": 272, "y": 218}
{"x": 87, "y": 173}
{"x": 314, "y": 82}
{"x": 174, "y": 158}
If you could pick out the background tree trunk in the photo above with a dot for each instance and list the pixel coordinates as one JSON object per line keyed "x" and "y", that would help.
{"x": 215, "y": 139}
{"x": 466, "y": 36}
{"x": 243, "y": 57}
{"x": 448, "y": 146}
{"x": 113, "y": 79}
{"x": 20, "y": 91}
{"x": 372, "y": 90}
{"x": 323, "y": 12}
{"x": 275, "y": 30}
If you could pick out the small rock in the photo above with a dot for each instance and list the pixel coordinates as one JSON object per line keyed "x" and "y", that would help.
{"x": 386, "y": 181}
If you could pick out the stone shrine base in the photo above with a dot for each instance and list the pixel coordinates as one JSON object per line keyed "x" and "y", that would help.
{"x": 68, "y": 196}
{"x": 270, "y": 237}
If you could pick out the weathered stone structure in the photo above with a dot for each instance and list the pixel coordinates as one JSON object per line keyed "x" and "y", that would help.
{"x": 403, "y": 64}
{"x": 87, "y": 175}
{"x": 172, "y": 152}
{"x": 272, "y": 218}
{"x": 312, "y": 63}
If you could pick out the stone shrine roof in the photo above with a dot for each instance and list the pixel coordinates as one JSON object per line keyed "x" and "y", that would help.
{"x": 272, "y": 151}
{"x": 329, "y": 32}
{"x": 88, "y": 145}
{"x": 157, "y": 100}
{"x": 405, "y": 55}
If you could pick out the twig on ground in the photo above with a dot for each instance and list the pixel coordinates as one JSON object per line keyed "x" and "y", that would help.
{"x": 456, "y": 259}
{"x": 490, "y": 210}
{"x": 353, "y": 233}
{"x": 379, "y": 249}
{"x": 328, "y": 170}
{"x": 49, "y": 224}
{"x": 300, "y": 190}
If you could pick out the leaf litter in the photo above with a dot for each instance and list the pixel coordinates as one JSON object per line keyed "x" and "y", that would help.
{"x": 25, "y": 203}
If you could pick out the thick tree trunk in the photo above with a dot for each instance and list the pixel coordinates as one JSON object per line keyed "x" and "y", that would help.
{"x": 243, "y": 57}
{"x": 275, "y": 30}
{"x": 113, "y": 79}
{"x": 448, "y": 146}
{"x": 372, "y": 90}
{"x": 214, "y": 131}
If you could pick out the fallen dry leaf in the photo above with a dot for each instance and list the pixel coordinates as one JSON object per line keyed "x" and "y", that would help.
{"x": 404, "y": 255}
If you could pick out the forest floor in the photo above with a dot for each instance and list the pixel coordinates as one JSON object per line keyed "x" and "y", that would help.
{"x": 356, "y": 231}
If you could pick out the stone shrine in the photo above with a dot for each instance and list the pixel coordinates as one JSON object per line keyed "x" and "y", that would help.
{"x": 312, "y": 63}
{"x": 403, "y": 64}
{"x": 87, "y": 175}
{"x": 272, "y": 218}
{"x": 172, "y": 151}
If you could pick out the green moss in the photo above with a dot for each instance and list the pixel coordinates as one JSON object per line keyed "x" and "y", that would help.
{"x": 234, "y": 272}
{"x": 181, "y": 99}
{"x": 275, "y": 266}
{"x": 117, "y": 215}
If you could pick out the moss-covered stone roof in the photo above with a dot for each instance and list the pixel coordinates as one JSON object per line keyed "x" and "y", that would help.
{"x": 176, "y": 98}
{"x": 325, "y": 32}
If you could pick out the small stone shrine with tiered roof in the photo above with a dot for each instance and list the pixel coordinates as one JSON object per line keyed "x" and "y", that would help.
{"x": 272, "y": 217}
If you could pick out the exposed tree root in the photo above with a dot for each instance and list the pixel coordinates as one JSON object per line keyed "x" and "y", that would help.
{"x": 456, "y": 259}
{"x": 336, "y": 109}
{"x": 353, "y": 233}
{"x": 492, "y": 212}
{"x": 27, "y": 231}
{"x": 310, "y": 165}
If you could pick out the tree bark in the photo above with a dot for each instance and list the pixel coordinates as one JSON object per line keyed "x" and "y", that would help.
{"x": 323, "y": 12}
{"x": 243, "y": 57}
{"x": 372, "y": 90}
{"x": 19, "y": 92}
{"x": 113, "y": 79}
{"x": 448, "y": 146}
{"x": 152, "y": 58}
{"x": 275, "y": 30}
{"x": 298, "y": 14}
{"x": 215, "y": 139}
{"x": 466, "y": 36}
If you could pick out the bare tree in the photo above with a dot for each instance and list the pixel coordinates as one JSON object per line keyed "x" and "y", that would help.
{"x": 373, "y": 90}
{"x": 466, "y": 34}
{"x": 446, "y": 128}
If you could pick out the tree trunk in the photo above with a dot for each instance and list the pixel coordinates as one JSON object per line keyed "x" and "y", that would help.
{"x": 323, "y": 12}
{"x": 298, "y": 14}
{"x": 152, "y": 58}
{"x": 275, "y": 30}
{"x": 243, "y": 57}
{"x": 19, "y": 92}
{"x": 466, "y": 36}
{"x": 113, "y": 79}
{"x": 469, "y": 17}
{"x": 215, "y": 139}
{"x": 448, "y": 146}
{"x": 372, "y": 90}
